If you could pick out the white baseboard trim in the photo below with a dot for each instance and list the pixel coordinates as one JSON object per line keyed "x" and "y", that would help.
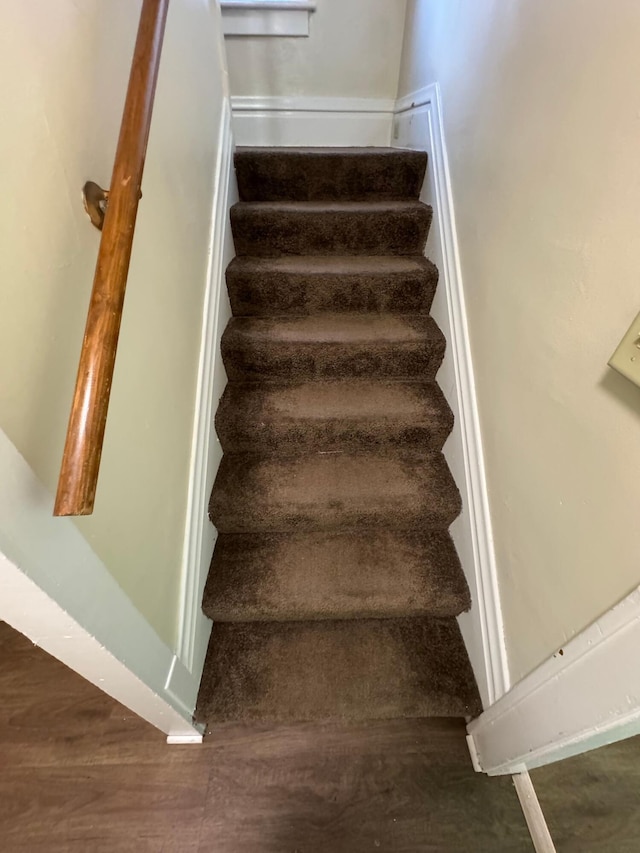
{"x": 533, "y": 814}
{"x": 183, "y": 740}
{"x": 266, "y": 18}
{"x": 271, "y": 121}
{"x": 584, "y": 696}
{"x": 306, "y": 104}
{"x": 194, "y": 628}
{"x": 418, "y": 124}
{"x": 56, "y": 591}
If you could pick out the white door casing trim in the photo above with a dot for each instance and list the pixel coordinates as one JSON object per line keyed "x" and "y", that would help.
{"x": 482, "y": 628}
{"x": 584, "y": 696}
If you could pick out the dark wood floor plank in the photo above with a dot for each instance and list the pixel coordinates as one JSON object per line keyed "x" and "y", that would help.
{"x": 592, "y": 801}
{"x": 153, "y": 806}
{"x": 81, "y": 774}
{"x": 402, "y": 787}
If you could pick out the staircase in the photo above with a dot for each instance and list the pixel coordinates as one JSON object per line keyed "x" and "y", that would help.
{"x": 334, "y": 585}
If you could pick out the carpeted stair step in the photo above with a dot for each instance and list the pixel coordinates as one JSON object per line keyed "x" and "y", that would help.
{"x": 353, "y": 574}
{"x": 343, "y": 670}
{"x": 329, "y": 491}
{"x": 324, "y": 346}
{"x": 334, "y": 583}
{"x": 332, "y": 415}
{"x": 271, "y": 229}
{"x": 320, "y": 174}
{"x": 311, "y": 284}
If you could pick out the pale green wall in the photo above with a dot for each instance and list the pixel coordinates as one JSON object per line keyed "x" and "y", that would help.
{"x": 63, "y": 76}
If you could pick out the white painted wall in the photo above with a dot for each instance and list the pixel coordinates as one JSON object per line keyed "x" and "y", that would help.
{"x": 541, "y": 109}
{"x": 63, "y": 76}
{"x": 353, "y": 51}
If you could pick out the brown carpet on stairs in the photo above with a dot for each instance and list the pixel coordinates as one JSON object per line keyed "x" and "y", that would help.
{"x": 335, "y": 415}
{"x": 326, "y": 174}
{"x": 353, "y": 574}
{"x": 347, "y": 670}
{"x": 294, "y": 285}
{"x": 334, "y": 585}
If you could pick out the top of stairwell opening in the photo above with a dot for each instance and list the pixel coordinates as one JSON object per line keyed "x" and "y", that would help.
{"x": 266, "y": 17}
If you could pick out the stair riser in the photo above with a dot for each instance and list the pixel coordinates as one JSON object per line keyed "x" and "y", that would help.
{"x": 269, "y": 295}
{"x": 246, "y": 435}
{"x": 333, "y": 518}
{"x": 268, "y": 234}
{"x": 337, "y": 436}
{"x": 258, "y": 612}
{"x": 332, "y": 515}
{"x": 257, "y": 361}
{"x": 271, "y": 176}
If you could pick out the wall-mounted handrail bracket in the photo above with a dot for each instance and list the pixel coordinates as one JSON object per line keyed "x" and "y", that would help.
{"x": 95, "y": 201}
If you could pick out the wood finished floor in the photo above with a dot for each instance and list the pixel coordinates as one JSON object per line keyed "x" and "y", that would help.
{"x": 78, "y": 772}
{"x": 592, "y": 802}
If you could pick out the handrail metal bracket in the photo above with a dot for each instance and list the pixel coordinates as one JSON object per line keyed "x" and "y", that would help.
{"x": 95, "y": 201}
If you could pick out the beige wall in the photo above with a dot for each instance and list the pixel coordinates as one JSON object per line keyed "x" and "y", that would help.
{"x": 353, "y": 51}
{"x": 542, "y": 118}
{"x": 63, "y": 73}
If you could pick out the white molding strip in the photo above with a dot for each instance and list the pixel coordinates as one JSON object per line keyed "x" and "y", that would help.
{"x": 305, "y": 103}
{"x": 194, "y": 628}
{"x": 533, "y": 814}
{"x": 282, "y": 5}
{"x": 265, "y": 120}
{"x": 584, "y": 696}
{"x": 57, "y": 592}
{"x": 266, "y": 18}
{"x": 418, "y": 124}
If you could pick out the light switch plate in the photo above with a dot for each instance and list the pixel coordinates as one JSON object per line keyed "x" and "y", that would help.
{"x": 626, "y": 359}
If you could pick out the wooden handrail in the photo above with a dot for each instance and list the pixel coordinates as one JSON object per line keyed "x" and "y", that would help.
{"x": 85, "y": 433}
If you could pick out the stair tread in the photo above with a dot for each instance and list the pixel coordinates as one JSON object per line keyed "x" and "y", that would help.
{"x": 354, "y": 574}
{"x": 358, "y": 151}
{"x": 326, "y": 415}
{"x": 335, "y": 670}
{"x": 321, "y": 329}
{"x": 310, "y": 284}
{"x": 330, "y": 227}
{"x": 349, "y": 399}
{"x": 333, "y": 206}
{"x": 325, "y": 491}
{"x": 379, "y": 265}
{"x": 332, "y": 345}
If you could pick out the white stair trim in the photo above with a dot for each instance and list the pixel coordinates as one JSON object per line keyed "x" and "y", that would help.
{"x": 482, "y": 628}
{"x": 311, "y": 121}
{"x": 194, "y": 628}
